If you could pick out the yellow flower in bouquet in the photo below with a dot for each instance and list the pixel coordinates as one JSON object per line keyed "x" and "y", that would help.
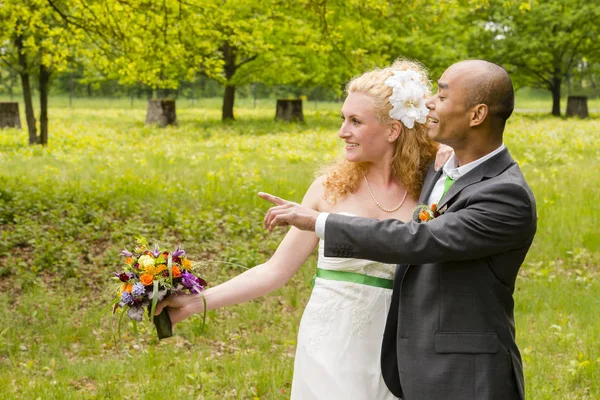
{"x": 146, "y": 261}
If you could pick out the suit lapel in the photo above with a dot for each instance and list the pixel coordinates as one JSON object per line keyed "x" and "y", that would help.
{"x": 489, "y": 169}
{"x": 430, "y": 179}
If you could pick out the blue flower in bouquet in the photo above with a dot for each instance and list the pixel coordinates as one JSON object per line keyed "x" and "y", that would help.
{"x": 127, "y": 298}
{"x": 138, "y": 290}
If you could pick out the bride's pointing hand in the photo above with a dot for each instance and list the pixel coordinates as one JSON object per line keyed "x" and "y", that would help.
{"x": 288, "y": 213}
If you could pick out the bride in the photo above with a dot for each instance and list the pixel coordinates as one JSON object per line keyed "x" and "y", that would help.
{"x": 387, "y": 154}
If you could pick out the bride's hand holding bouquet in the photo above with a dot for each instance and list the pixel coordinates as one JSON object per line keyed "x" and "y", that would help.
{"x": 148, "y": 277}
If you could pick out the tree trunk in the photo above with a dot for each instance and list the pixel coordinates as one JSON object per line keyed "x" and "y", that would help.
{"x": 9, "y": 115}
{"x": 44, "y": 79}
{"x": 289, "y": 110}
{"x": 577, "y": 106}
{"x": 555, "y": 89}
{"x": 161, "y": 112}
{"x": 24, "y": 72}
{"x": 228, "y": 103}
{"x": 229, "y": 55}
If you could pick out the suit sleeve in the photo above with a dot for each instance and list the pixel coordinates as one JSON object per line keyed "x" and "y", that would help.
{"x": 493, "y": 221}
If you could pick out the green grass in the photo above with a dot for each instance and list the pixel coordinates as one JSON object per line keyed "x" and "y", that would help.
{"x": 67, "y": 210}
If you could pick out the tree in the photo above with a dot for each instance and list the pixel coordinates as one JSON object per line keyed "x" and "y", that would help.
{"x": 146, "y": 42}
{"x": 303, "y": 44}
{"x": 307, "y": 43}
{"x": 160, "y": 44}
{"x": 359, "y": 35}
{"x": 539, "y": 42}
{"x": 36, "y": 44}
{"x": 234, "y": 42}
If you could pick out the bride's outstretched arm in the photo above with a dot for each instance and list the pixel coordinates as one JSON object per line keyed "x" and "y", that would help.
{"x": 292, "y": 252}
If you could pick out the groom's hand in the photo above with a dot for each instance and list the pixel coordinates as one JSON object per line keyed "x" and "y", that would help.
{"x": 288, "y": 213}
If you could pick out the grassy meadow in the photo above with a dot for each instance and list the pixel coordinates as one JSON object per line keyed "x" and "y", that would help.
{"x": 67, "y": 210}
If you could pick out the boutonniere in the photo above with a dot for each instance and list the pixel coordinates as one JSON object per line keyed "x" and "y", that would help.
{"x": 427, "y": 213}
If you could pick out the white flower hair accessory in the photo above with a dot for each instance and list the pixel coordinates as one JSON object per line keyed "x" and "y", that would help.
{"x": 408, "y": 97}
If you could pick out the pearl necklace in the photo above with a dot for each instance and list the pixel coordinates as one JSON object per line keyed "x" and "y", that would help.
{"x": 376, "y": 202}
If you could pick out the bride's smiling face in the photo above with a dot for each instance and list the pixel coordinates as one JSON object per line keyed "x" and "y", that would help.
{"x": 367, "y": 140}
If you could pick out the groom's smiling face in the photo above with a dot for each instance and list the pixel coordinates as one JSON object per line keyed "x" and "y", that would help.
{"x": 449, "y": 114}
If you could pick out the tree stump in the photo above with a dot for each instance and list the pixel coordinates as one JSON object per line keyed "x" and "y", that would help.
{"x": 577, "y": 106}
{"x": 161, "y": 112}
{"x": 289, "y": 110}
{"x": 9, "y": 115}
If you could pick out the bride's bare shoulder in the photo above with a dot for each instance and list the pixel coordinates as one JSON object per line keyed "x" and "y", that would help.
{"x": 315, "y": 195}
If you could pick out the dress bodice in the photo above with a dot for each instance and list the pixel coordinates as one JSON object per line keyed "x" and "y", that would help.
{"x": 360, "y": 266}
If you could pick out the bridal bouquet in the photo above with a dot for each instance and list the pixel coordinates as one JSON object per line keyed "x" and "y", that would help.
{"x": 147, "y": 277}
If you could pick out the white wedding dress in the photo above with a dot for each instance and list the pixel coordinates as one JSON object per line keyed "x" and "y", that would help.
{"x": 339, "y": 340}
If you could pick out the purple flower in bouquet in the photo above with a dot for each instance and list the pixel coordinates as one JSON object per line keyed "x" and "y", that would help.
{"x": 192, "y": 282}
{"x": 138, "y": 290}
{"x": 126, "y": 253}
{"x": 179, "y": 252}
{"x": 156, "y": 252}
{"x": 126, "y": 298}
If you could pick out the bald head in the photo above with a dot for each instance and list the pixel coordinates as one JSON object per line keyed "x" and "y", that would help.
{"x": 489, "y": 84}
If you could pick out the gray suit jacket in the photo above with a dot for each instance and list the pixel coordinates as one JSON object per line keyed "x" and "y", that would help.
{"x": 450, "y": 332}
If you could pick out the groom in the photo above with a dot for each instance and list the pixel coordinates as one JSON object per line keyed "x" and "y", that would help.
{"x": 450, "y": 333}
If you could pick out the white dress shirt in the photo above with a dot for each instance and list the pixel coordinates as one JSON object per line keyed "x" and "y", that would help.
{"x": 450, "y": 168}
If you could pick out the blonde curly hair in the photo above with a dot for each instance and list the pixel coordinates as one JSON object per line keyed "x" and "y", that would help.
{"x": 413, "y": 150}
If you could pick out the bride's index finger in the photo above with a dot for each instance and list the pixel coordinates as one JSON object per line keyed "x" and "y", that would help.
{"x": 273, "y": 199}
